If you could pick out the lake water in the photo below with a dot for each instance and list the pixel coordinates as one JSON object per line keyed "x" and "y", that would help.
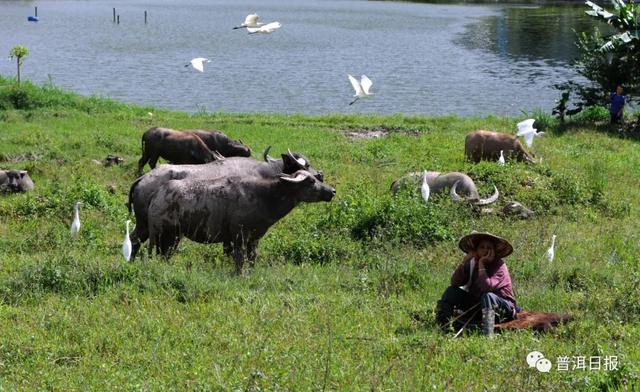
{"x": 422, "y": 58}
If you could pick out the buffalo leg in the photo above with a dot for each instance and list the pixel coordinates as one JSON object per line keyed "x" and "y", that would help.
{"x": 252, "y": 252}
{"x": 227, "y": 248}
{"x": 238, "y": 256}
{"x": 153, "y": 160}
{"x": 168, "y": 243}
{"x": 142, "y": 162}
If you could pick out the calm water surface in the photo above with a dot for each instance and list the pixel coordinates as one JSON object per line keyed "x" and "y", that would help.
{"x": 422, "y": 58}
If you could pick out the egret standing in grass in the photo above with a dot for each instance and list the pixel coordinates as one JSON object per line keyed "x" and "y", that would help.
{"x": 198, "y": 63}
{"x": 424, "y": 189}
{"x": 527, "y": 131}
{"x": 126, "y": 245}
{"x": 501, "y": 159}
{"x": 250, "y": 21}
{"x": 361, "y": 87}
{"x": 266, "y": 29}
{"x": 75, "y": 225}
{"x": 551, "y": 251}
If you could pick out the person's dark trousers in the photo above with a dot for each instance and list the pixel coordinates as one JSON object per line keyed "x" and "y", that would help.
{"x": 454, "y": 298}
{"x": 504, "y": 309}
{"x": 615, "y": 118}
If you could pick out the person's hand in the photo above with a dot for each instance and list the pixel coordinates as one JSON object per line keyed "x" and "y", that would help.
{"x": 488, "y": 258}
{"x": 469, "y": 256}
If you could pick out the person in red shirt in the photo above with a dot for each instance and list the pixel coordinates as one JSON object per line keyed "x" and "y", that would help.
{"x": 480, "y": 281}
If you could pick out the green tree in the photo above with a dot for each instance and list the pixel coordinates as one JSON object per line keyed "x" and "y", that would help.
{"x": 18, "y": 52}
{"x": 606, "y": 59}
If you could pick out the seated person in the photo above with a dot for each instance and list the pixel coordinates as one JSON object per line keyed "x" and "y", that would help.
{"x": 482, "y": 279}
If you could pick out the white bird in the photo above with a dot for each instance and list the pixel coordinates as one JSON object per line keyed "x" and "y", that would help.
{"x": 551, "y": 251}
{"x": 126, "y": 245}
{"x": 75, "y": 225}
{"x": 198, "y": 63}
{"x": 362, "y": 87}
{"x": 424, "y": 189}
{"x": 250, "y": 21}
{"x": 501, "y": 159}
{"x": 527, "y": 131}
{"x": 266, "y": 29}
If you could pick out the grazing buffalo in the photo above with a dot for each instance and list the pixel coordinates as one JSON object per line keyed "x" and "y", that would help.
{"x": 486, "y": 145}
{"x": 175, "y": 146}
{"x": 143, "y": 188}
{"x": 233, "y": 210}
{"x": 15, "y": 181}
{"x": 454, "y": 181}
{"x": 218, "y": 141}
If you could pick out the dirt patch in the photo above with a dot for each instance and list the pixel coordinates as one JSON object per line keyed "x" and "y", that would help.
{"x": 374, "y": 133}
{"x": 15, "y": 158}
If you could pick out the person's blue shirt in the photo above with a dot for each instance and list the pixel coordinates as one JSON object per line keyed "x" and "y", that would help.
{"x": 617, "y": 103}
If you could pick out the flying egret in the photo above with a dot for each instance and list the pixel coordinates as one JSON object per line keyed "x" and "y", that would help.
{"x": 250, "y": 21}
{"x": 198, "y": 63}
{"x": 551, "y": 251}
{"x": 501, "y": 159}
{"x": 527, "y": 131}
{"x": 126, "y": 245}
{"x": 362, "y": 87}
{"x": 424, "y": 189}
{"x": 266, "y": 29}
{"x": 75, "y": 225}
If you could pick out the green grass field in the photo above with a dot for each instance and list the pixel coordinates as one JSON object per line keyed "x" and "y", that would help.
{"x": 343, "y": 294}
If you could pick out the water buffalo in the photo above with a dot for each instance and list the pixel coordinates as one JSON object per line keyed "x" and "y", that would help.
{"x": 15, "y": 181}
{"x": 233, "y": 210}
{"x": 486, "y": 145}
{"x": 142, "y": 189}
{"x": 454, "y": 181}
{"x": 516, "y": 209}
{"x": 175, "y": 146}
{"x": 218, "y": 141}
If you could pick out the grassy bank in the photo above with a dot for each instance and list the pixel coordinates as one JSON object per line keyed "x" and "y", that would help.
{"x": 343, "y": 294}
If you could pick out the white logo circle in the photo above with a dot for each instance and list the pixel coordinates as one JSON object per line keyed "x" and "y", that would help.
{"x": 533, "y": 357}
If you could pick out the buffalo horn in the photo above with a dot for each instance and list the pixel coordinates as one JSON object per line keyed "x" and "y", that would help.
{"x": 300, "y": 176}
{"x": 489, "y": 200}
{"x": 301, "y": 162}
{"x": 454, "y": 195}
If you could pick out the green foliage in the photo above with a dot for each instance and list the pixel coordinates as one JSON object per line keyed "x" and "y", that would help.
{"x": 18, "y": 52}
{"x": 606, "y": 60}
{"x": 343, "y": 293}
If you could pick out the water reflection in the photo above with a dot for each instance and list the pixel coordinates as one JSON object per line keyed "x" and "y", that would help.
{"x": 529, "y": 33}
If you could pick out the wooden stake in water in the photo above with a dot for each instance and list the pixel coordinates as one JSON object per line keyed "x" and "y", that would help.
{"x": 36, "y": 11}
{"x": 118, "y": 19}
{"x": 114, "y": 15}
{"x": 145, "y": 17}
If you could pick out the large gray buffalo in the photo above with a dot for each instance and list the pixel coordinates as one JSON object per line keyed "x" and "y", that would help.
{"x": 143, "y": 188}
{"x": 457, "y": 183}
{"x": 486, "y": 145}
{"x": 233, "y": 210}
{"x": 15, "y": 181}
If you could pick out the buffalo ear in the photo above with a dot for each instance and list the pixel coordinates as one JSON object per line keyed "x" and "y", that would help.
{"x": 22, "y": 173}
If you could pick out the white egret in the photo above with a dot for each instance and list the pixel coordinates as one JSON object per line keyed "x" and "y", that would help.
{"x": 424, "y": 189}
{"x": 266, "y": 29}
{"x": 551, "y": 251}
{"x": 198, "y": 63}
{"x": 501, "y": 159}
{"x": 126, "y": 245}
{"x": 250, "y": 21}
{"x": 75, "y": 225}
{"x": 362, "y": 87}
{"x": 527, "y": 131}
